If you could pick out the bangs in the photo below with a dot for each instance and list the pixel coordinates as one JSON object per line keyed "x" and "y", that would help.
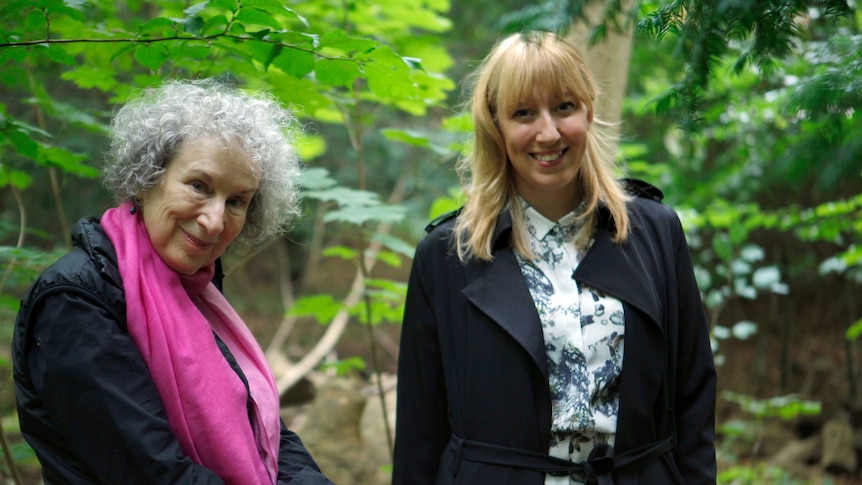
{"x": 545, "y": 67}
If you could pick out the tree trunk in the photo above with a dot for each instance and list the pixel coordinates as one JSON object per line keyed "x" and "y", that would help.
{"x": 608, "y": 59}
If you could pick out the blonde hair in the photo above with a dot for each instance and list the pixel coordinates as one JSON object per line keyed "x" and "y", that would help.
{"x": 516, "y": 66}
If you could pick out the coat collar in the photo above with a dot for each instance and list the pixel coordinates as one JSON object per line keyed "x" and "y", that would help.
{"x": 501, "y": 293}
{"x": 619, "y": 270}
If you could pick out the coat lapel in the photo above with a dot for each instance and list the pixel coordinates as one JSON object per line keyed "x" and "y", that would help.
{"x": 620, "y": 271}
{"x": 499, "y": 291}
{"x": 625, "y": 272}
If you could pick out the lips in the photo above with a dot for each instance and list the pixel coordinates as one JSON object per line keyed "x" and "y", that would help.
{"x": 196, "y": 242}
{"x": 549, "y": 157}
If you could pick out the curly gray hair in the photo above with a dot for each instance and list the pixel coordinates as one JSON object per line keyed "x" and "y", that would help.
{"x": 148, "y": 130}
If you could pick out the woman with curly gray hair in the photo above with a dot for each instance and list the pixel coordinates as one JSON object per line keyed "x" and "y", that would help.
{"x": 129, "y": 364}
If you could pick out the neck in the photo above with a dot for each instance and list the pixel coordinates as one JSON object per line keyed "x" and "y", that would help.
{"x": 553, "y": 208}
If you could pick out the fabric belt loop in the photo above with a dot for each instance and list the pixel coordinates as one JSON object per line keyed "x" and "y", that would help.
{"x": 457, "y": 449}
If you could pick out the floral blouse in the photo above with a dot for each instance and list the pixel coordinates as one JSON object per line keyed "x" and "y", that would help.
{"x": 583, "y": 331}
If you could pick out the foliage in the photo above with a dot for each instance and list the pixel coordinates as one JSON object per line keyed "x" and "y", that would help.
{"x": 706, "y": 33}
{"x": 746, "y": 114}
{"x": 351, "y": 67}
{"x": 785, "y": 408}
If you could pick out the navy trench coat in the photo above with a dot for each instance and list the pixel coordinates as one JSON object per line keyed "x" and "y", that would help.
{"x": 472, "y": 362}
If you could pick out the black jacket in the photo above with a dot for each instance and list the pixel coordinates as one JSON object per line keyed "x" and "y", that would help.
{"x": 86, "y": 402}
{"x": 473, "y": 364}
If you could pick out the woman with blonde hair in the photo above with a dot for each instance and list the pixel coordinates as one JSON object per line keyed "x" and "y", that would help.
{"x": 553, "y": 331}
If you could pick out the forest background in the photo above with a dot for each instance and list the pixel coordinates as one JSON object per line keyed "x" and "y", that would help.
{"x": 746, "y": 115}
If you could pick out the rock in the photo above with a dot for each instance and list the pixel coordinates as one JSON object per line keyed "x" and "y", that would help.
{"x": 330, "y": 431}
{"x": 773, "y": 436}
{"x": 796, "y": 455}
{"x": 838, "y": 455}
{"x": 373, "y": 430}
{"x": 343, "y": 429}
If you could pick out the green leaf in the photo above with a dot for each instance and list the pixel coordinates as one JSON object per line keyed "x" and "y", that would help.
{"x": 344, "y": 367}
{"x": 14, "y": 7}
{"x": 295, "y": 62}
{"x": 88, "y": 77}
{"x": 214, "y": 25}
{"x": 193, "y": 24}
{"x": 301, "y": 19}
{"x": 229, "y": 5}
{"x": 396, "y": 244}
{"x": 342, "y": 252}
{"x": 67, "y": 11}
{"x": 855, "y": 330}
{"x": 268, "y": 6}
{"x": 57, "y": 53}
{"x": 151, "y": 56}
{"x": 738, "y": 233}
{"x": 722, "y": 246}
{"x": 337, "y": 72}
{"x": 14, "y": 54}
{"x": 389, "y": 258}
{"x": 322, "y": 307}
{"x": 345, "y": 196}
{"x": 255, "y": 17}
{"x": 24, "y": 144}
{"x": 316, "y": 179}
{"x": 310, "y": 146}
{"x": 195, "y": 9}
{"x": 300, "y": 40}
{"x": 193, "y": 51}
{"x": 388, "y": 74}
{"x": 35, "y": 21}
{"x": 68, "y": 161}
{"x": 360, "y": 215}
{"x": 16, "y": 178}
{"x": 157, "y": 27}
{"x": 410, "y": 137}
{"x": 340, "y": 40}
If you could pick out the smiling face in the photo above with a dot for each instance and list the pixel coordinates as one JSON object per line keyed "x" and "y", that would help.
{"x": 545, "y": 138}
{"x": 199, "y": 205}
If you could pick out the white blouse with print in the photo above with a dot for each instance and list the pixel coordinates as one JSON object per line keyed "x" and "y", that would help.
{"x": 583, "y": 332}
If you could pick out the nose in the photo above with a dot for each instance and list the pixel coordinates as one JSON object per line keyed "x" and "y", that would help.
{"x": 211, "y": 218}
{"x": 547, "y": 128}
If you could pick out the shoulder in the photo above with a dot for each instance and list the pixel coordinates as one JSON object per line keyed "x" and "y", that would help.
{"x": 650, "y": 217}
{"x": 447, "y": 219}
{"x": 90, "y": 268}
{"x": 437, "y": 243}
{"x": 439, "y": 231}
{"x": 647, "y": 200}
{"x": 642, "y": 189}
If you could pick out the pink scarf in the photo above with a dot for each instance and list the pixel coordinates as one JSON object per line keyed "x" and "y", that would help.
{"x": 171, "y": 318}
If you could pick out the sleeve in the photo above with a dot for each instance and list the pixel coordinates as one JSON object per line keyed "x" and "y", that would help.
{"x": 295, "y": 464}
{"x": 109, "y": 425}
{"x": 422, "y": 427}
{"x": 694, "y": 402}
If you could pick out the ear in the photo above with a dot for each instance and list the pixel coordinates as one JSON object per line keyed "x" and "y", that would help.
{"x": 589, "y": 117}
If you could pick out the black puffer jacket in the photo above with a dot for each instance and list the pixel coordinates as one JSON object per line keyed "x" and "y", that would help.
{"x": 86, "y": 402}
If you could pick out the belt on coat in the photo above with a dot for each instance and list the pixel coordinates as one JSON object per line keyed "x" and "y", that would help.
{"x": 598, "y": 468}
